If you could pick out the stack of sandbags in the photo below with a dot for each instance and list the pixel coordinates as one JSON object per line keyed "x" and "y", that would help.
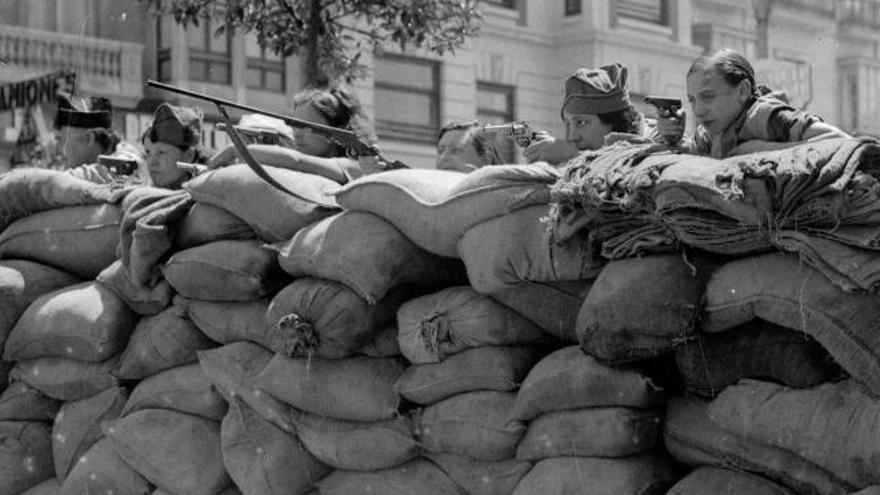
{"x": 591, "y": 428}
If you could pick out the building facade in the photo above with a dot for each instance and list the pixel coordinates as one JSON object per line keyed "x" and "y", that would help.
{"x": 824, "y": 53}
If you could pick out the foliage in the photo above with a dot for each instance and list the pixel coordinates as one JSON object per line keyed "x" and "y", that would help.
{"x": 332, "y": 34}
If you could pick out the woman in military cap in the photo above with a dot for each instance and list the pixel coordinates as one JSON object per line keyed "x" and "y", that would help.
{"x": 174, "y": 136}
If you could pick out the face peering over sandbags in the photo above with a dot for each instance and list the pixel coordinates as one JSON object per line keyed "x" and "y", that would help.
{"x": 435, "y": 208}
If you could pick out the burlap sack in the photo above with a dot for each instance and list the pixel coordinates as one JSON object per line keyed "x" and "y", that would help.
{"x": 383, "y": 344}
{"x": 643, "y": 474}
{"x": 83, "y": 321}
{"x": 357, "y": 445}
{"x": 722, "y": 481}
{"x": 21, "y": 282}
{"x": 642, "y": 307}
{"x": 434, "y": 208}
{"x": 161, "y": 342}
{"x": 505, "y": 251}
{"x": 78, "y": 426}
{"x": 21, "y": 402}
{"x": 49, "y": 487}
{"x": 224, "y": 271}
{"x": 262, "y": 459}
{"x": 236, "y": 321}
{"x": 553, "y": 306}
{"x": 366, "y": 253}
{"x": 481, "y": 477}
{"x": 274, "y": 215}
{"x": 185, "y": 389}
{"x": 143, "y": 300}
{"x": 358, "y": 388}
{"x": 480, "y": 368}
{"x": 437, "y": 325}
{"x": 101, "y": 470}
{"x": 591, "y": 432}
{"x": 80, "y": 240}
{"x": 204, "y": 224}
{"x": 475, "y": 424}
{"x": 416, "y": 477}
{"x": 25, "y": 455}
{"x": 694, "y": 439}
{"x": 779, "y": 289}
{"x": 570, "y": 379}
{"x": 175, "y": 451}
{"x": 66, "y": 379}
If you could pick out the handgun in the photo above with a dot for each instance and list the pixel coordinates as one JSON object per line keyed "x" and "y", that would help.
{"x": 667, "y": 107}
{"x": 519, "y": 131}
{"x": 118, "y": 165}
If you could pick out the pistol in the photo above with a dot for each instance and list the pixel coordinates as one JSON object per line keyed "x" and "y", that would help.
{"x": 519, "y": 131}
{"x": 118, "y": 165}
{"x": 666, "y": 106}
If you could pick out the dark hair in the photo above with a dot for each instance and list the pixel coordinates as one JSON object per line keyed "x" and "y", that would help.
{"x": 342, "y": 109}
{"x": 628, "y": 120}
{"x": 474, "y": 135}
{"x": 107, "y": 139}
{"x": 732, "y": 66}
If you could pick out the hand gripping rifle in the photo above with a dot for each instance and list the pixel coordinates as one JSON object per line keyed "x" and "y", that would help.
{"x": 354, "y": 145}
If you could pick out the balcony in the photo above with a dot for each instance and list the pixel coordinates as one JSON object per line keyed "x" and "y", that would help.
{"x": 103, "y": 67}
{"x": 864, "y": 13}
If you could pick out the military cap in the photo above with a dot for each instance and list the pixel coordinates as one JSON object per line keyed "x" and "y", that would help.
{"x": 596, "y": 91}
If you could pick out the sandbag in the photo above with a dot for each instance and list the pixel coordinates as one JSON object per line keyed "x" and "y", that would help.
{"x": 834, "y": 425}
{"x": 66, "y": 379}
{"x": 49, "y": 487}
{"x": 779, "y": 289}
{"x": 434, "y": 208}
{"x": 481, "y": 477}
{"x": 642, "y": 307}
{"x": 78, "y": 426}
{"x": 83, "y": 321}
{"x": 229, "y": 490}
{"x": 185, "y": 389}
{"x": 591, "y": 432}
{"x": 327, "y": 319}
{"x": 233, "y": 369}
{"x": 553, "y": 306}
{"x": 21, "y": 402}
{"x": 642, "y": 474}
{"x": 383, "y": 344}
{"x": 480, "y": 368}
{"x": 505, "y": 251}
{"x": 236, "y": 321}
{"x": 274, "y": 215}
{"x": 475, "y": 424}
{"x": 25, "y": 455}
{"x": 175, "y": 451}
{"x": 437, "y": 325}
{"x": 357, "y": 445}
{"x": 570, "y": 379}
{"x": 757, "y": 349}
{"x": 142, "y": 299}
{"x": 694, "y": 439}
{"x": 262, "y": 459}
{"x": 80, "y": 240}
{"x": 21, "y": 282}
{"x": 224, "y": 271}
{"x": 721, "y": 481}
{"x": 416, "y": 477}
{"x": 161, "y": 342}
{"x": 204, "y": 224}
{"x": 366, "y": 253}
{"x": 358, "y": 388}
{"x": 101, "y": 470}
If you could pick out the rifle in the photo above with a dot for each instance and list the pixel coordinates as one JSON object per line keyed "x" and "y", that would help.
{"x": 354, "y": 145}
{"x": 520, "y": 132}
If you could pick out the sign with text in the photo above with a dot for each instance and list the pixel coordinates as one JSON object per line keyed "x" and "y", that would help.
{"x": 23, "y": 94}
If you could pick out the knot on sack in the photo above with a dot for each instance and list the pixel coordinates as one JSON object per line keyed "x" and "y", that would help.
{"x": 434, "y": 332}
{"x": 296, "y": 336}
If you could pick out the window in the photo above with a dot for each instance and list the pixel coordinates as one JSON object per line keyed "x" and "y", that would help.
{"x": 573, "y": 7}
{"x": 652, "y": 11}
{"x": 507, "y": 4}
{"x": 495, "y": 106}
{"x": 265, "y": 69}
{"x": 209, "y": 59}
{"x": 164, "y": 27}
{"x": 407, "y": 98}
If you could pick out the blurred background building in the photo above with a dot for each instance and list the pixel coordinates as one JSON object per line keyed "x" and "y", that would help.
{"x": 824, "y": 53}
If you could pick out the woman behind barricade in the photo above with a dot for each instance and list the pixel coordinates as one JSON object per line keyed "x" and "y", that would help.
{"x": 464, "y": 146}
{"x": 735, "y": 115}
{"x": 175, "y": 135}
{"x": 331, "y": 105}
{"x": 596, "y": 104}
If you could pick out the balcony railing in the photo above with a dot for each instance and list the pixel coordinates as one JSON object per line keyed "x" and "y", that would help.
{"x": 108, "y": 67}
{"x": 859, "y": 12}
